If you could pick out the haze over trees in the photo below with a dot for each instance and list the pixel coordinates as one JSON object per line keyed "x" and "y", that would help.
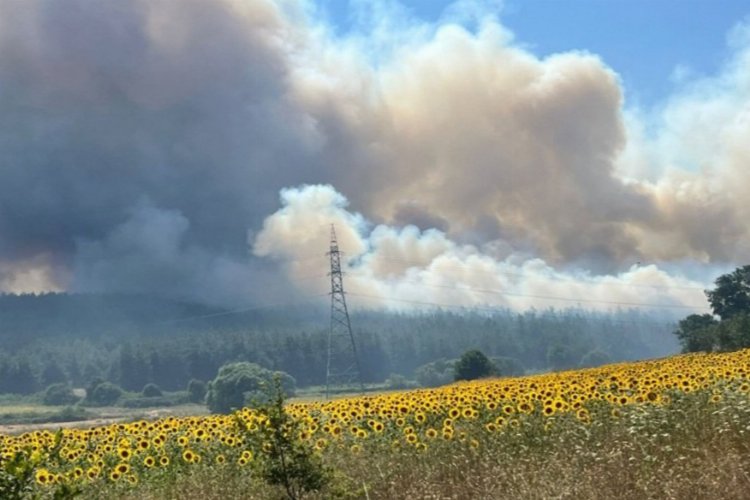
{"x": 132, "y": 341}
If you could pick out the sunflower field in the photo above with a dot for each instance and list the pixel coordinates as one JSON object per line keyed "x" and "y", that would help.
{"x": 533, "y": 435}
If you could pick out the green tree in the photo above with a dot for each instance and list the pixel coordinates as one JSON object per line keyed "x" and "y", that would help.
{"x": 59, "y": 394}
{"x": 196, "y": 391}
{"x": 473, "y": 364}
{"x": 734, "y": 333}
{"x": 103, "y": 394}
{"x": 732, "y": 293}
{"x": 237, "y": 383}
{"x": 698, "y": 332}
{"x": 151, "y": 391}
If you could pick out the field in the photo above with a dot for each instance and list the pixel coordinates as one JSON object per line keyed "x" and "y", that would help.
{"x": 670, "y": 428}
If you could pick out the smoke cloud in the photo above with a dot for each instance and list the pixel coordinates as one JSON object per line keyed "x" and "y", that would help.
{"x": 144, "y": 145}
{"x": 404, "y": 267}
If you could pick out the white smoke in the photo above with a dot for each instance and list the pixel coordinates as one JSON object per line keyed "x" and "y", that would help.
{"x": 402, "y": 268}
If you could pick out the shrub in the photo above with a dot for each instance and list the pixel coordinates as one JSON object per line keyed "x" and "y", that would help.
{"x": 103, "y": 394}
{"x": 435, "y": 374}
{"x": 196, "y": 391}
{"x": 472, "y": 365}
{"x": 59, "y": 395}
{"x": 151, "y": 391}
{"x": 239, "y": 383}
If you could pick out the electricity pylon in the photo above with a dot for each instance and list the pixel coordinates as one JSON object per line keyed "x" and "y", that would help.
{"x": 342, "y": 368}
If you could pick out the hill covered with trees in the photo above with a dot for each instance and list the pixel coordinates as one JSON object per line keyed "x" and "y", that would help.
{"x": 136, "y": 340}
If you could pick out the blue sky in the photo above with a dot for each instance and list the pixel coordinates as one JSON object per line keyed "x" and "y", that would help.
{"x": 645, "y": 41}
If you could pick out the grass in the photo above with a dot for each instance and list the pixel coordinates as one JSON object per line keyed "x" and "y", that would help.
{"x": 691, "y": 448}
{"x": 27, "y": 415}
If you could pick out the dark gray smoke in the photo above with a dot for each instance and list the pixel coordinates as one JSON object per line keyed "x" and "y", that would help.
{"x": 143, "y": 144}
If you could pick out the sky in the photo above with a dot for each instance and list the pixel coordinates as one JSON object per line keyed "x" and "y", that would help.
{"x": 470, "y": 154}
{"x": 651, "y": 44}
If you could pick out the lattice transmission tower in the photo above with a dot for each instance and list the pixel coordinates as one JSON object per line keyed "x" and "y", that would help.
{"x": 342, "y": 368}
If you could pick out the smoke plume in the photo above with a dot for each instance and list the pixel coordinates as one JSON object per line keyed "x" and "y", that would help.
{"x": 145, "y": 144}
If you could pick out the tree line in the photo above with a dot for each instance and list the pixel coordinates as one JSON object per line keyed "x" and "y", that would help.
{"x": 135, "y": 341}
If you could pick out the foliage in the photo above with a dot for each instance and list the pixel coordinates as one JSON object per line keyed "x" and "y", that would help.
{"x": 697, "y": 333}
{"x": 436, "y": 373}
{"x": 196, "y": 391}
{"x": 473, "y": 364}
{"x": 622, "y": 413}
{"x": 730, "y": 300}
{"x": 732, "y": 293}
{"x": 16, "y": 476}
{"x": 151, "y": 391}
{"x": 239, "y": 383}
{"x": 734, "y": 333}
{"x": 124, "y": 340}
{"x": 59, "y": 395}
{"x": 102, "y": 394}
{"x": 20, "y": 471}
{"x": 283, "y": 458}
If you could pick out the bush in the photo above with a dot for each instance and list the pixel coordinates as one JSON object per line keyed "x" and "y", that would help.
{"x": 151, "y": 391}
{"x": 59, "y": 395}
{"x": 472, "y": 365}
{"x": 103, "y": 394}
{"x": 237, "y": 384}
{"x": 196, "y": 391}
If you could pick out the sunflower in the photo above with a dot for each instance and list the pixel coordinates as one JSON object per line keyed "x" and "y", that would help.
{"x": 92, "y": 473}
{"x": 188, "y": 456}
{"x": 43, "y": 476}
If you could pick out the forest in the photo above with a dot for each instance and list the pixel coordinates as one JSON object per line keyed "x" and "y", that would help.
{"x": 135, "y": 340}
